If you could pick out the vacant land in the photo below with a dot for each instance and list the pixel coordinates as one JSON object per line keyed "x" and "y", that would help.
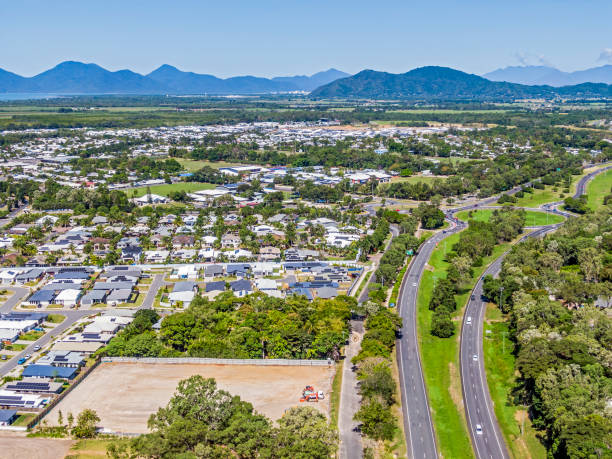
{"x": 416, "y": 179}
{"x": 532, "y": 218}
{"x": 126, "y": 394}
{"x": 15, "y": 446}
{"x": 166, "y": 189}
{"x": 193, "y": 165}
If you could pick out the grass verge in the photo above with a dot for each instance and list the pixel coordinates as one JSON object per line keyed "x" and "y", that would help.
{"x": 364, "y": 282}
{"x": 501, "y": 378}
{"x": 335, "y": 394}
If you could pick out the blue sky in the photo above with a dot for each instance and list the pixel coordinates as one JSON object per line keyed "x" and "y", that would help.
{"x": 270, "y": 37}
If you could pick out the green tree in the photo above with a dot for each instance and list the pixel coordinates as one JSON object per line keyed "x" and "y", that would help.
{"x": 85, "y": 426}
{"x": 376, "y": 420}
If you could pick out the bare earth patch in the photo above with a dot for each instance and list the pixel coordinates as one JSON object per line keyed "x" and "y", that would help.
{"x": 125, "y": 394}
{"x": 15, "y": 446}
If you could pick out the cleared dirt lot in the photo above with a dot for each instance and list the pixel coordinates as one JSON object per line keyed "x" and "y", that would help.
{"x": 125, "y": 394}
{"x": 15, "y": 446}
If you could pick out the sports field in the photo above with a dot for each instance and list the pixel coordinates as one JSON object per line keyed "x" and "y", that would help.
{"x": 125, "y": 394}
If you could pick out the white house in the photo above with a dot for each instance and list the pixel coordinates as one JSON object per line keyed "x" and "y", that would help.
{"x": 68, "y": 297}
{"x": 150, "y": 199}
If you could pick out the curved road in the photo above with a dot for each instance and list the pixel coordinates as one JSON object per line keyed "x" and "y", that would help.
{"x": 418, "y": 426}
{"x": 488, "y": 441}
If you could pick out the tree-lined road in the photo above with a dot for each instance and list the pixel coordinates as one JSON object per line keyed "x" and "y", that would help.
{"x": 488, "y": 440}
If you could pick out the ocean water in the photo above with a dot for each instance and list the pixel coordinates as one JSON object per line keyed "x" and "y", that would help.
{"x": 27, "y": 96}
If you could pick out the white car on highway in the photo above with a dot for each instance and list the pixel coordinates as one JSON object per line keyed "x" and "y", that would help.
{"x": 478, "y": 429}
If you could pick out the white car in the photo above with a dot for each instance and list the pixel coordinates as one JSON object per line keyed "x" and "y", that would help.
{"x": 478, "y": 429}
{"x": 468, "y": 321}
{"x": 414, "y": 284}
{"x": 475, "y": 358}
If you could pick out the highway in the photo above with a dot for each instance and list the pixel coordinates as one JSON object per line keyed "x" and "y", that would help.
{"x": 488, "y": 440}
{"x": 418, "y": 425}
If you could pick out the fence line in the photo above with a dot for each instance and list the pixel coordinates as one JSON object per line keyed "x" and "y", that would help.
{"x": 61, "y": 396}
{"x": 209, "y": 361}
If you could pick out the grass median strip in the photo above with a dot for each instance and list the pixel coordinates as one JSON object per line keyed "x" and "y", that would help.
{"x": 532, "y": 218}
{"x": 440, "y": 356}
{"x": 598, "y": 189}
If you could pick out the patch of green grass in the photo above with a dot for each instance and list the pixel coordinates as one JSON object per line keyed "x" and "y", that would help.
{"x": 32, "y": 335}
{"x": 166, "y": 189}
{"x": 336, "y": 391}
{"x": 94, "y": 448}
{"x": 532, "y": 218}
{"x": 501, "y": 378}
{"x": 192, "y": 165}
{"x": 24, "y": 419}
{"x": 364, "y": 282}
{"x": 440, "y": 357}
{"x": 15, "y": 347}
{"x": 55, "y": 318}
{"x": 417, "y": 179}
{"x": 598, "y": 189}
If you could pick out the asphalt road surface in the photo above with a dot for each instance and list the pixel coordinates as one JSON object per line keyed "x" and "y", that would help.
{"x": 487, "y": 438}
{"x": 350, "y": 436}
{"x": 418, "y": 426}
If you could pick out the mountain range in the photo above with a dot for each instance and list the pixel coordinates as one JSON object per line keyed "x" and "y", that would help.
{"x": 78, "y": 78}
{"x": 424, "y": 83}
{"x": 443, "y": 83}
{"x": 543, "y": 75}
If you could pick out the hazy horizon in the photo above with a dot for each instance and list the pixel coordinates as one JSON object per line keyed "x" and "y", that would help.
{"x": 296, "y": 38}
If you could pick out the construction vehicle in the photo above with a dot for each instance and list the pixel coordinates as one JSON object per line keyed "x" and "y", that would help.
{"x": 310, "y": 395}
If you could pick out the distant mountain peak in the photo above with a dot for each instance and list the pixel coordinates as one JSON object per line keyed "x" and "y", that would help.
{"x": 73, "y": 77}
{"x": 544, "y": 75}
{"x": 444, "y": 83}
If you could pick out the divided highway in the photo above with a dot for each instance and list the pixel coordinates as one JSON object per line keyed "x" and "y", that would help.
{"x": 484, "y": 429}
{"x": 418, "y": 426}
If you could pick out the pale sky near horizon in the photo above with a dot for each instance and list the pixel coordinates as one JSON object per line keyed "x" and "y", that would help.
{"x": 290, "y": 37}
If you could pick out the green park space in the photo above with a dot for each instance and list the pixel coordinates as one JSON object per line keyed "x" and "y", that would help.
{"x": 417, "y": 179}
{"x": 598, "y": 188}
{"x": 501, "y": 378}
{"x": 167, "y": 188}
{"x": 532, "y": 218}
{"x": 192, "y": 165}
